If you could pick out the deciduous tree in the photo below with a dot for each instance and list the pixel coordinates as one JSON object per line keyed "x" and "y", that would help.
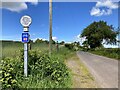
{"x": 96, "y": 32}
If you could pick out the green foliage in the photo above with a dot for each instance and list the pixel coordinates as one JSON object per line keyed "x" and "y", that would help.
{"x": 41, "y": 41}
{"x": 108, "y": 52}
{"x": 73, "y": 46}
{"x": 43, "y": 71}
{"x": 8, "y": 73}
{"x": 62, "y": 42}
{"x": 69, "y": 46}
{"x": 11, "y": 49}
{"x": 53, "y": 42}
{"x": 96, "y": 32}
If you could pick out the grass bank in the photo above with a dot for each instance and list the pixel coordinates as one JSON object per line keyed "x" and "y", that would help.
{"x": 108, "y": 52}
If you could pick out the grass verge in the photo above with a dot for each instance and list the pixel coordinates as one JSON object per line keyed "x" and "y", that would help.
{"x": 108, "y": 52}
{"x": 81, "y": 77}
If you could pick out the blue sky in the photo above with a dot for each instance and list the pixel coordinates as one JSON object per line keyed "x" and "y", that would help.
{"x": 69, "y": 19}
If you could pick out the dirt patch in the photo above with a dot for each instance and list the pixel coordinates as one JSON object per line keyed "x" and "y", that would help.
{"x": 81, "y": 78}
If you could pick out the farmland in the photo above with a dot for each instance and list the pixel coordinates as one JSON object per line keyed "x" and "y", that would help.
{"x": 43, "y": 71}
{"x": 11, "y": 49}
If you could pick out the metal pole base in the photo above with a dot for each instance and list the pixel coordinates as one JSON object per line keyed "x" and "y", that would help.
{"x": 25, "y": 59}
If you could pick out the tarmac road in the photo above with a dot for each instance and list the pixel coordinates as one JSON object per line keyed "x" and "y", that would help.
{"x": 104, "y": 70}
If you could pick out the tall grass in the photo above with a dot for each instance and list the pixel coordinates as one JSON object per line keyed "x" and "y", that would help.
{"x": 108, "y": 52}
{"x": 43, "y": 71}
{"x": 11, "y": 49}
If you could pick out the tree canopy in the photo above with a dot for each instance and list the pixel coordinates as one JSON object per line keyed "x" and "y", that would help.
{"x": 96, "y": 32}
{"x": 38, "y": 41}
{"x": 41, "y": 41}
{"x": 62, "y": 42}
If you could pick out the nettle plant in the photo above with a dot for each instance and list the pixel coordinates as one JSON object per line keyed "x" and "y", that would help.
{"x": 8, "y": 73}
{"x": 40, "y": 67}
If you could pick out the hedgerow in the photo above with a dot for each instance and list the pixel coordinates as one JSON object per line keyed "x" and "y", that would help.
{"x": 108, "y": 52}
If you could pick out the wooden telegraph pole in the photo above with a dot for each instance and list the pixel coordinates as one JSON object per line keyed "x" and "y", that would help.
{"x": 50, "y": 27}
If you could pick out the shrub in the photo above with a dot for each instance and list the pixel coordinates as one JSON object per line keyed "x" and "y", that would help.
{"x": 69, "y": 46}
{"x": 108, "y": 52}
{"x": 8, "y": 73}
{"x": 41, "y": 70}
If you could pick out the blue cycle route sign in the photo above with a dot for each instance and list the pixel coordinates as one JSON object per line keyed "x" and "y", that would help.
{"x": 25, "y": 37}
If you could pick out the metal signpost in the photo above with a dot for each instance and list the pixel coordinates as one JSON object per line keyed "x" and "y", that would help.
{"x": 25, "y": 21}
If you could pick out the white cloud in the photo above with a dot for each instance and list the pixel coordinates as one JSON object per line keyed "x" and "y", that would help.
{"x": 111, "y": 46}
{"x": 32, "y": 1}
{"x": 54, "y": 38}
{"x": 43, "y": 39}
{"x": 16, "y": 6}
{"x": 80, "y": 39}
{"x": 69, "y": 42}
{"x": 108, "y": 4}
{"x": 78, "y": 36}
{"x": 97, "y": 12}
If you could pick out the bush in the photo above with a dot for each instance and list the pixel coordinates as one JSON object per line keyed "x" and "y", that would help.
{"x": 108, "y": 52}
{"x": 43, "y": 71}
{"x": 69, "y": 46}
{"x": 8, "y": 73}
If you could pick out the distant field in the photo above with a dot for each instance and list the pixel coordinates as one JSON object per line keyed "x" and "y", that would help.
{"x": 11, "y": 49}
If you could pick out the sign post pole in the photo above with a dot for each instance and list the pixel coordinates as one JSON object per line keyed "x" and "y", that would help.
{"x": 25, "y": 21}
{"x": 25, "y": 59}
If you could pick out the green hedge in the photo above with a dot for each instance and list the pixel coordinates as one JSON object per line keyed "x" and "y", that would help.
{"x": 108, "y": 52}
